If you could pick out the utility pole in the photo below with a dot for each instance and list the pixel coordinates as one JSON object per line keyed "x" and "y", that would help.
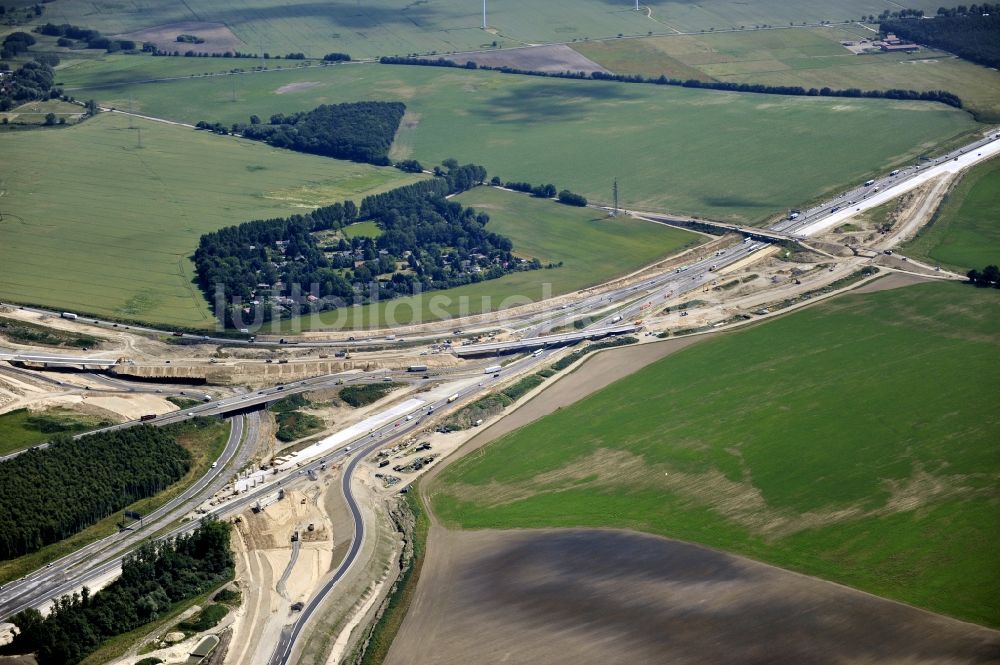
{"x": 138, "y": 134}
{"x": 614, "y": 195}
{"x": 234, "y": 86}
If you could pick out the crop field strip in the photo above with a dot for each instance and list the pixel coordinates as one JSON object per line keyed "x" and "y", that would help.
{"x": 391, "y": 27}
{"x": 115, "y": 240}
{"x": 741, "y": 157}
{"x": 810, "y": 57}
{"x": 872, "y": 463}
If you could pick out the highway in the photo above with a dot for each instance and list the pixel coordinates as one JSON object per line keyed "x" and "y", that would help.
{"x": 74, "y": 570}
{"x": 864, "y": 197}
{"x": 384, "y": 436}
{"x": 102, "y": 557}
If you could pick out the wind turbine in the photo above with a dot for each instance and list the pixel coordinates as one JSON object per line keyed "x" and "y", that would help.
{"x": 484, "y": 14}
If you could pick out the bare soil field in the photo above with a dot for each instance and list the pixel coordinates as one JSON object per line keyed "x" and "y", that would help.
{"x": 602, "y": 596}
{"x": 554, "y": 58}
{"x": 894, "y": 280}
{"x": 218, "y": 37}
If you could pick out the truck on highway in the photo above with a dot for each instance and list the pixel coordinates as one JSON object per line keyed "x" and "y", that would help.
{"x": 148, "y": 416}
{"x": 69, "y": 315}
{"x": 537, "y": 353}
{"x": 869, "y": 183}
{"x": 452, "y": 398}
{"x": 492, "y": 368}
{"x": 416, "y": 368}
{"x": 894, "y": 173}
{"x": 616, "y": 319}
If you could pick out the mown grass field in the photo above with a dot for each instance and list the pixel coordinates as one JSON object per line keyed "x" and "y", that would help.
{"x": 204, "y": 438}
{"x": 810, "y": 57}
{"x": 592, "y": 247}
{"x": 723, "y": 155}
{"x": 18, "y": 430}
{"x": 964, "y": 233}
{"x": 382, "y": 27}
{"x": 91, "y": 222}
{"x": 872, "y": 463}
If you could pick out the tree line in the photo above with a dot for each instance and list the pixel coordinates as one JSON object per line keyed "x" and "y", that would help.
{"x": 971, "y": 33}
{"x": 69, "y": 35}
{"x": 155, "y": 577}
{"x": 544, "y": 192}
{"x": 30, "y": 82}
{"x": 52, "y": 493}
{"x": 941, "y": 96}
{"x": 988, "y": 276}
{"x": 359, "y": 131}
{"x": 280, "y": 267}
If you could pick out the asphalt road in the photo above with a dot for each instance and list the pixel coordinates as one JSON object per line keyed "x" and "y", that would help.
{"x": 76, "y": 569}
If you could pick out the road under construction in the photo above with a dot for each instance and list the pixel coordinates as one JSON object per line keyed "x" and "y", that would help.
{"x": 617, "y": 309}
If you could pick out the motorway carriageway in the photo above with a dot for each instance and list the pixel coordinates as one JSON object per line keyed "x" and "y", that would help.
{"x": 823, "y": 217}
{"x": 84, "y": 567}
{"x": 74, "y": 570}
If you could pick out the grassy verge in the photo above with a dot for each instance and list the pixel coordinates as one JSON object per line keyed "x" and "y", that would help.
{"x": 363, "y": 395}
{"x": 22, "y": 428}
{"x": 963, "y": 233}
{"x": 871, "y": 463}
{"x": 492, "y": 404}
{"x": 205, "y": 439}
{"x": 401, "y": 596}
{"x": 23, "y": 332}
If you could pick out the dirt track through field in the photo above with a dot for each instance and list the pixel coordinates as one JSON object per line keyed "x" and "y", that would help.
{"x": 603, "y": 596}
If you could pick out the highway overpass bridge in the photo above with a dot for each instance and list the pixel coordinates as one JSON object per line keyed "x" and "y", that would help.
{"x": 69, "y": 362}
{"x": 719, "y": 228}
{"x": 529, "y": 343}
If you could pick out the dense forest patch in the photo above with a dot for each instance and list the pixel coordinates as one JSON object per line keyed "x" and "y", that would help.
{"x": 47, "y": 495}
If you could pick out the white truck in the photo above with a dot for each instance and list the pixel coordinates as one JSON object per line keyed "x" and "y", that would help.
{"x": 616, "y": 318}
{"x": 69, "y": 315}
{"x": 492, "y": 368}
{"x": 452, "y": 398}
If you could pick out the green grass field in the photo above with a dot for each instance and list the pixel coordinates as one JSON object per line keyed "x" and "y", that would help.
{"x": 872, "y": 463}
{"x": 382, "y": 27}
{"x": 964, "y": 233}
{"x": 362, "y": 230}
{"x": 723, "y": 155}
{"x": 22, "y": 428}
{"x": 592, "y": 247}
{"x": 807, "y": 57}
{"x": 91, "y": 222}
